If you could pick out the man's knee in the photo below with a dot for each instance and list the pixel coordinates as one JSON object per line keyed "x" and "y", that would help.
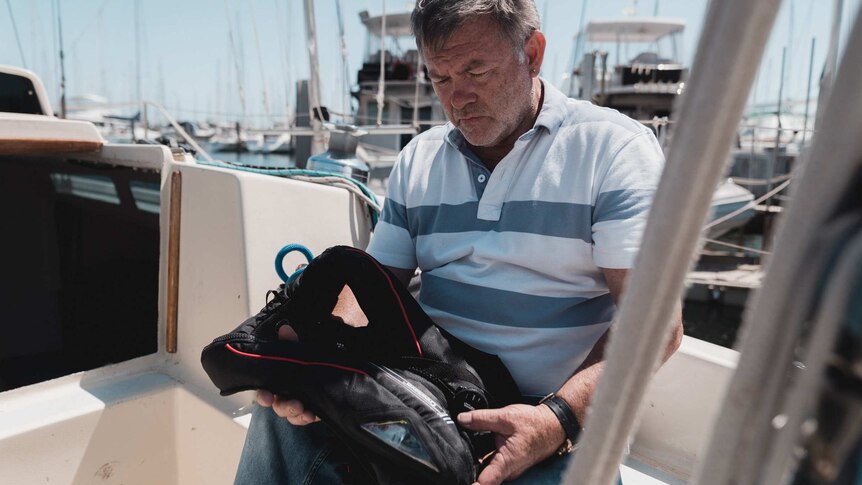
{"x": 275, "y": 451}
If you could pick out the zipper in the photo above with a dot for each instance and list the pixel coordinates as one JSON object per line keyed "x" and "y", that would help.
{"x": 235, "y": 336}
{"x": 418, "y": 394}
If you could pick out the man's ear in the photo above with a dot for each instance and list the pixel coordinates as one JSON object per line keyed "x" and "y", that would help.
{"x": 534, "y": 48}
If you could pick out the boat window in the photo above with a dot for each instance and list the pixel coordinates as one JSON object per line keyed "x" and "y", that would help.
{"x": 94, "y": 187}
{"x": 18, "y": 95}
{"x": 146, "y": 195}
{"x": 80, "y": 276}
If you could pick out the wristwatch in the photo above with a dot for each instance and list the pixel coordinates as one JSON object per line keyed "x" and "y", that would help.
{"x": 568, "y": 420}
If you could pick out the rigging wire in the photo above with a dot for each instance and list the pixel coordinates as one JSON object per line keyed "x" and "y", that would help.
{"x": 87, "y": 28}
{"x": 736, "y": 246}
{"x": 749, "y": 205}
{"x": 17, "y": 38}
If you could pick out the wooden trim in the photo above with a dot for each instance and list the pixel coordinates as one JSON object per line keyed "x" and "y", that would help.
{"x": 173, "y": 261}
{"x": 35, "y": 146}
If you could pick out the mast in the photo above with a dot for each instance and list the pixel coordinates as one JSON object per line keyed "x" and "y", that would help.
{"x": 579, "y": 46}
{"x": 381, "y": 83}
{"x": 62, "y": 62}
{"x": 138, "y": 96}
{"x": 314, "y": 85}
{"x": 260, "y": 63}
{"x": 235, "y": 56}
{"x": 345, "y": 75}
{"x": 808, "y": 93}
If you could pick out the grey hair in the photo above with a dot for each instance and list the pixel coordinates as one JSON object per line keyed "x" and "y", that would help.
{"x": 435, "y": 21}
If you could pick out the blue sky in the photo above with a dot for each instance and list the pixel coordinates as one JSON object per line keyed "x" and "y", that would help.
{"x": 186, "y": 59}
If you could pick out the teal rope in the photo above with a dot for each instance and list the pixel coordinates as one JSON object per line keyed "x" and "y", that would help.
{"x": 279, "y": 261}
{"x": 290, "y": 172}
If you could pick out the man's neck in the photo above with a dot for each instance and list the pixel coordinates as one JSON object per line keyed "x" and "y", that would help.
{"x": 491, "y": 155}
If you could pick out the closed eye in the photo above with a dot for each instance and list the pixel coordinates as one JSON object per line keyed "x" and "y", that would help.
{"x": 478, "y": 75}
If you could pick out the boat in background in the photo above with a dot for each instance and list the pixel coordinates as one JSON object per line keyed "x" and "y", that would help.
{"x": 233, "y": 138}
{"x": 113, "y": 122}
{"x": 270, "y": 142}
{"x": 392, "y": 79}
{"x": 643, "y": 86}
{"x": 729, "y": 198}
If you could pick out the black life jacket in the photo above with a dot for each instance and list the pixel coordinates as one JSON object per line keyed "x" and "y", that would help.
{"x": 390, "y": 390}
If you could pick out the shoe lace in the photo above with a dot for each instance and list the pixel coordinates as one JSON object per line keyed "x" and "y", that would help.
{"x": 274, "y": 300}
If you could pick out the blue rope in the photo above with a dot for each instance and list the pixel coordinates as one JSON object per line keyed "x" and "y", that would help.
{"x": 290, "y": 172}
{"x": 279, "y": 261}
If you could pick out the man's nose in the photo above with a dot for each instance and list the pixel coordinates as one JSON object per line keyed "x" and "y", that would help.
{"x": 461, "y": 97}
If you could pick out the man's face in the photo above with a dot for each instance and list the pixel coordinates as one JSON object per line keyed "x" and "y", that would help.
{"x": 484, "y": 88}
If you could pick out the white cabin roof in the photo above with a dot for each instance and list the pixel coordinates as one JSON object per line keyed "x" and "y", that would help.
{"x": 397, "y": 24}
{"x": 40, "y": 93}
{"x": 634, "y": 29}
{"x": 23, "y": 134}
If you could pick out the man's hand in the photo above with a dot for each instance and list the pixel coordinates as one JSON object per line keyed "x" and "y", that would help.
{"x": 347, "y": 309}
{"x": 525, "y": 435}
{"x": 291, "y": 409}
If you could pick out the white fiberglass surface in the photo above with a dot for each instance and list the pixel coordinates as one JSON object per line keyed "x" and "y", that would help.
{"x": 139, "y": 429}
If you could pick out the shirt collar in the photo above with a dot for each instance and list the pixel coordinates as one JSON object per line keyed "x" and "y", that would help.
{"x": 553, "y": 111}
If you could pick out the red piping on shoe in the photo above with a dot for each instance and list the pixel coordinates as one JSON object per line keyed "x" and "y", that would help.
{"x": 294, "y": 361}
{"x": 397, "y": 297}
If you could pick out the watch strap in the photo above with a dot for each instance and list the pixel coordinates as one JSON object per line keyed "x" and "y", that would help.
{"x": 567, "y": 418}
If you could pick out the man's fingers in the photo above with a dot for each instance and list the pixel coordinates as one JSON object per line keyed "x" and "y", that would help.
{"x": 294, "y": 411}
{"x": 286, "y": 332}
{"x": 496, "y": 420}
{"x": 287, "y": 408}
{"x": 264, "y": 398}
{"x": 495, "y": 472}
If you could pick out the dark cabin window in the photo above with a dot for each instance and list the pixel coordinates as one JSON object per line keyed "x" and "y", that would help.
{"x": 79, "y": 287}
{"x": 18, "y": 95}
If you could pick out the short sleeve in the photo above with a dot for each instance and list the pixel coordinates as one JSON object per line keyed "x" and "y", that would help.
{"x": 626, "y": 186}
{"x": 391, "y": 243}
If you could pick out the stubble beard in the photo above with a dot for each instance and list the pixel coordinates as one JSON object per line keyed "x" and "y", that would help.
{"x": 504, "y": 123}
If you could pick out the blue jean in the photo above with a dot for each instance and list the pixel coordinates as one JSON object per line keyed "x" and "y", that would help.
{"x": 277, "y": 452}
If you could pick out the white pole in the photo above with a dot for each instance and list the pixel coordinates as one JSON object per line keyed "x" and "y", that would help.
{"x": 381, "y": 83}
{"x": 420, "y": 76}
{"x": 744, "y": 433}
{"x": 345, "y": 74}
{"x": 730, "y": 48}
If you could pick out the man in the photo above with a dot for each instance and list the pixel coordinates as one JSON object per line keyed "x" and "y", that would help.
{"x": 524, "y": 214}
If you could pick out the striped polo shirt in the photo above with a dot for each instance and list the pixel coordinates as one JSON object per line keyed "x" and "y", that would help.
{"x": 511, "y": 259}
